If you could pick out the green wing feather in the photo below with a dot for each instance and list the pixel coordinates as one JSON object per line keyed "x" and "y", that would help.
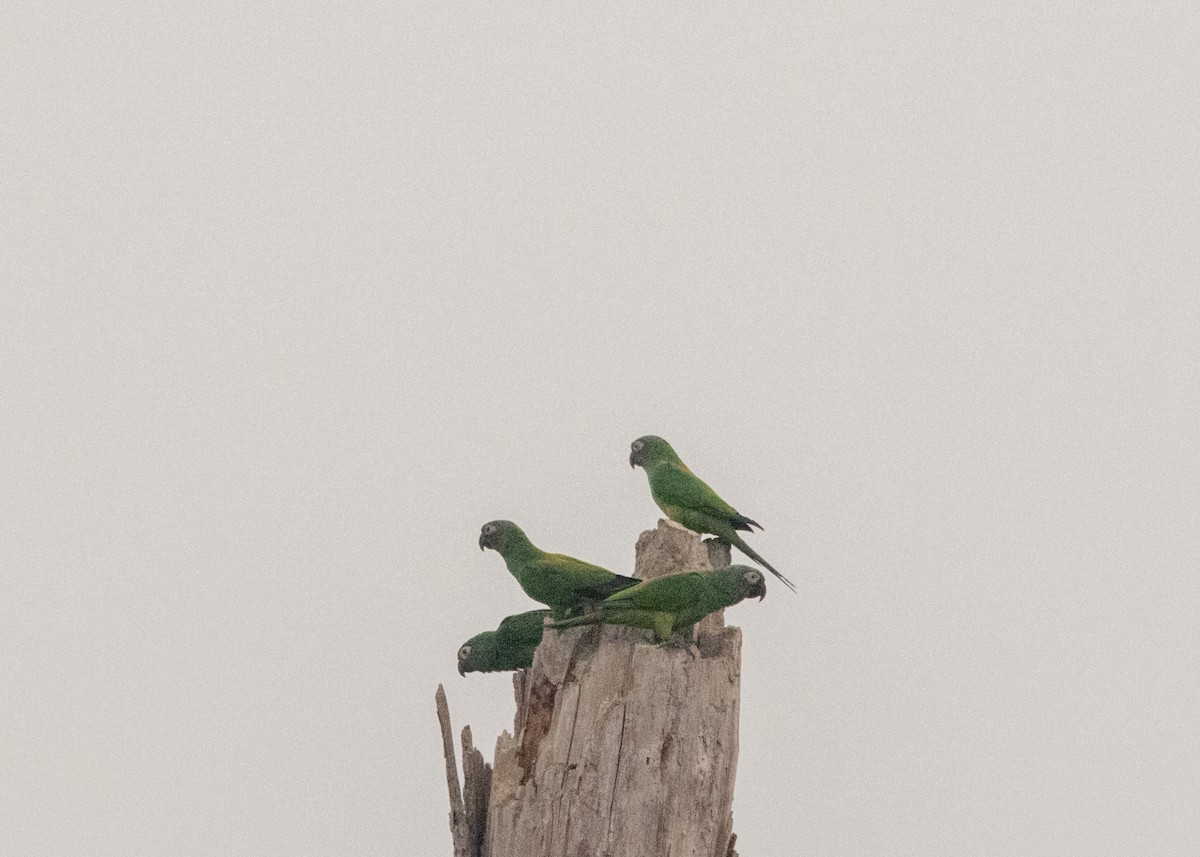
{"x": 586, "y": 580}
{"x": 563, "y": 582}
{"x": 671, "y": 593}
{"x": 670, "y": 602}
{"x": 576, "y": 569}
{"x": 675, "y": 485}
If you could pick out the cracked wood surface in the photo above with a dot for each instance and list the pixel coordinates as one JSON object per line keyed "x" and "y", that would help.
{"x": 624, "y": 748}
{"x": 458, "y": 813}
{"x": 468, "y": 805}
{"x": 477, "y": 784}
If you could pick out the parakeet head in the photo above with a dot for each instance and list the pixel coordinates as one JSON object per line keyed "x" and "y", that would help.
{"x": 649, "y": 450}
{"x": 749, "y": 581}
{"x": 498, "y": 535}
{"x": 478, "y": 653}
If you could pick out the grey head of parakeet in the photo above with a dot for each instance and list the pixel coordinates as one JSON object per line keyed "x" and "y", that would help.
{"x": 495, "y": 534}
{"x": 647, "y": 449}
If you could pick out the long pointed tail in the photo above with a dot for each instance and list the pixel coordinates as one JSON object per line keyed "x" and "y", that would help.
{"x": 737, "y": 542}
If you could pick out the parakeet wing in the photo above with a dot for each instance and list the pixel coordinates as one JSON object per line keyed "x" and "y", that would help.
{"x": 589, "y": 581}
{"x": 676, "y": 486}
{"x": 673, "y": 593}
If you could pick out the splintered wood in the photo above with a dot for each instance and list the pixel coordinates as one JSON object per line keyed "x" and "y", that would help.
{"x": 477, "y": 784}
{"x": 458, "y": 815}
{"x": 622, "y": 748}
{"x": 468, "y": 806}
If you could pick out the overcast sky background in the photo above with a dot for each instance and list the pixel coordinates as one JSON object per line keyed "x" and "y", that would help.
{"x": 295, "y": 298}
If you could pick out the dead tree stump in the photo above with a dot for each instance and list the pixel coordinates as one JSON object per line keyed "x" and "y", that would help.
{"x": 622, "y": 748}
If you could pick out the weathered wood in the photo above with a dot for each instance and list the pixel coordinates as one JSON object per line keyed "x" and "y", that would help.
{"x": 458, "y": 815}
{"x": 477, "y": 784}
{"x": 519, "y": 687}
{"x": 624, "y": 748}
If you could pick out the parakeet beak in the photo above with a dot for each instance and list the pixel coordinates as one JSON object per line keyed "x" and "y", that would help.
{"x": 482, "y": 541}
{"x": 632, "y": 463}
{"x": 461, "y": 671}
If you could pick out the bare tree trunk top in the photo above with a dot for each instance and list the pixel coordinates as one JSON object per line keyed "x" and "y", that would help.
{"x": 621, "y": 748}
{"x": 625, "y": 747}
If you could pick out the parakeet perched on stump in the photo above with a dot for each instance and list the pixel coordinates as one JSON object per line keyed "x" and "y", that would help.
{"x": 672, "y": 603}
{"x": 560, "y": 582}
{"x": 509, "y": 647}
{"x": 687, "y": 499}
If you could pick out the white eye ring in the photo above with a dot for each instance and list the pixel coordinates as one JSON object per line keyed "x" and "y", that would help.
{"x": 488, "y": 529}
{"x": 637, "y": 446}
{"x": 464, "y": 652}
{"x": 752, "y": 577}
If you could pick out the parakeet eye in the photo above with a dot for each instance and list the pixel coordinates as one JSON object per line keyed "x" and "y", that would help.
{"x": 752, "y": 577}
{"x": 464, "y": 653}
{"x": 637, "y": 446}
{"x": 488, "y": 529}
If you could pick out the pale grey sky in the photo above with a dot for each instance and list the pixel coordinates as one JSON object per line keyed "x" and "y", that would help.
{"x": 295, "y": 298}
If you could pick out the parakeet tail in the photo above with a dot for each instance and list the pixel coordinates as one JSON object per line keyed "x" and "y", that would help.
{"x": 737, "y": 542}
{"x": 741, "y": 522}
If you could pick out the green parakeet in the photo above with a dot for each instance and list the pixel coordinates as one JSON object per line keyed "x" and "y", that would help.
{"x": 509, "y": 647}
{"x": 560, "y": 582}
{"x": 671, "y": 603}
{"x": 686, "y": 499}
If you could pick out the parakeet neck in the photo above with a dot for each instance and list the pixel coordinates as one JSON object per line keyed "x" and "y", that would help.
{"x": 726, "y": 586}
{"x": 666, "y": 461}
{"x": 653, "y": 467}
{"x": 518, "y": 548}
{"x": 484, "y": 649}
